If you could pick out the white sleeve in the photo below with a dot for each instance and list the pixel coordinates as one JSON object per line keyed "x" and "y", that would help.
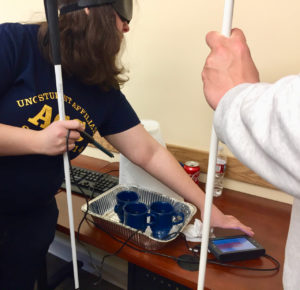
{"x": 260, "y": 124}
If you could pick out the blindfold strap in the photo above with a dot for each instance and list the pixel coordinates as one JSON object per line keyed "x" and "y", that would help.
{"x": 70, "y": 8}
{"x": 124, "y": 12}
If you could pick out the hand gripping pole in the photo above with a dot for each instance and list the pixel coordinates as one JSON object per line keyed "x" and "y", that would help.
{"x": 52, "y": 18}
{"x": 226, "y": 31}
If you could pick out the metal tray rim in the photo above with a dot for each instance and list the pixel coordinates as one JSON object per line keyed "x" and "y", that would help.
{"x": 126, "y": 186}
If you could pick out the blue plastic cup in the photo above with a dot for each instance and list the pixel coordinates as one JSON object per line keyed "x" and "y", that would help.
{"x": 163, "y": 217}
{"x": 135, "y": 215}
{"x": 124, "y": 197}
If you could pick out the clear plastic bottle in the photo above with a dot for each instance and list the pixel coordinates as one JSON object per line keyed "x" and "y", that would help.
{"x": 220, "y": 171}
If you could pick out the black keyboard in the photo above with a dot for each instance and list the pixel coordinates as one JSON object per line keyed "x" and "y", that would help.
{"x": 92, "y": 183}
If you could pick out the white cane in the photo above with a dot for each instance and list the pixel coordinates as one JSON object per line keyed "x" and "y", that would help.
{"x": 52, "y": 17}
{"x": 226, "y": 31}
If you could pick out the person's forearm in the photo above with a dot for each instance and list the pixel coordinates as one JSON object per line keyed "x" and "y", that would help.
{"x": 166, "y": 168}
{"x": 16, "y": 141}
{"x": 143, "y": 150}
{"x": 140, "y": 148}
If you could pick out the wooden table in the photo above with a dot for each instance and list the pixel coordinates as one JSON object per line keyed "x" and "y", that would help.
{"x": 269, "y": 219}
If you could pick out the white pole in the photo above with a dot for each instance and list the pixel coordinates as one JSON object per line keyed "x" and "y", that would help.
{"x": 53, "y": 29}
{"x": 61, "y": 111}
{"x": 226, "y": 30}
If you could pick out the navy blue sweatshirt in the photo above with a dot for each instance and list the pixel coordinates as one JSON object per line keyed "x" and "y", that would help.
{"x": 28, "y": 99}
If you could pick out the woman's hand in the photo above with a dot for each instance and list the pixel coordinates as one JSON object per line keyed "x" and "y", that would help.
{"x": 52, "y": 140}
{"x": 218, "y": 219}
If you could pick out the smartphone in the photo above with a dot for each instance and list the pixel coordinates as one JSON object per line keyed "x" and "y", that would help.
{"x": 235, "y": 248}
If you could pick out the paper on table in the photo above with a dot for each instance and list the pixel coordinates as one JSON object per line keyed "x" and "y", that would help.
{"x": 131, "y": 174}
{"x": 193, "y": 232}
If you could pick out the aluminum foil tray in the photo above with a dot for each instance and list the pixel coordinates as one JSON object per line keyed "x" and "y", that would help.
{"x": 101, "y": 209}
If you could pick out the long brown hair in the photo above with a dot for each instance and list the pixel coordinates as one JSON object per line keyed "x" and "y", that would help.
{"x": 89, "y": 46}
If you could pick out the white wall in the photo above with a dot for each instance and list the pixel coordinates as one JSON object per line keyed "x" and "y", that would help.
{"x": 18, "y": 10}
{"x": 167, "y": 50}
